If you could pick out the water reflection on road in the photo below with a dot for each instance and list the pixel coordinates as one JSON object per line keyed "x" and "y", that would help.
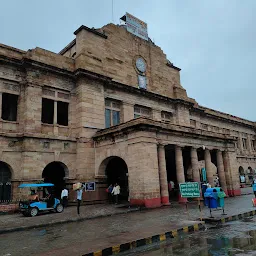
{"x": 234, "y": 238}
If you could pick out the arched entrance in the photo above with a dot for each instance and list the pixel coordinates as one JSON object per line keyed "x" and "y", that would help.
{"x": 5, "y": 182}
{"x": 241, "y": 174}
{"x": 117, "y": 172}
{"x": 54, "y": 173}
{"x": 250, "y": 174}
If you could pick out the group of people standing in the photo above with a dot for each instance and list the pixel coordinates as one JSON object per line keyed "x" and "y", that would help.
{"x": 113, "y": 193}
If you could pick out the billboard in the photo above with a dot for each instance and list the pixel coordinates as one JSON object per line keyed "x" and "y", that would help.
{"x": 136, "y": 26}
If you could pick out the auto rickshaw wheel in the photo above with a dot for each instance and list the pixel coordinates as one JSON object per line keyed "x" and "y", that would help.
{"x": 33, "y": 211}
{"x": 59, "y": 208}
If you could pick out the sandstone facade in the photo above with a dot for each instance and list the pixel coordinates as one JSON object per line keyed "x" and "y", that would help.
{"x": 55, "y": 108}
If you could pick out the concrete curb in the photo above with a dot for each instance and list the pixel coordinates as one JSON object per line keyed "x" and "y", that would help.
{"x": 230, "y": 218}
{"x": 144, "y": 241}
{"x": 23, "y": 228}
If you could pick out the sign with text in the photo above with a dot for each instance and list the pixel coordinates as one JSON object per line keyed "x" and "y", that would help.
{"x": 136, "y": 26}
{"x": 190, "y": 189}
{"x": 90, "y": 186}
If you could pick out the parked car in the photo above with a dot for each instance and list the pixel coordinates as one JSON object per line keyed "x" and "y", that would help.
{"x": 33, "y": 207}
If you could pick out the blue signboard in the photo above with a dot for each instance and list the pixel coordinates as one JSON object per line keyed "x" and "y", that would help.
{"x": 90, "y": 186}
{"x": 136, "y": 26}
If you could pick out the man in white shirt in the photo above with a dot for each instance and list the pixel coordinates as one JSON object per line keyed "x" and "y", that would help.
{"x": 64, "y": 197}
{"x": 79, "y": 194}
{"x": 116, "y": 192}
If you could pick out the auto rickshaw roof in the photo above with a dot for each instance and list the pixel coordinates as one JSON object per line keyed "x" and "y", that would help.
{"x": 33, "y": 185}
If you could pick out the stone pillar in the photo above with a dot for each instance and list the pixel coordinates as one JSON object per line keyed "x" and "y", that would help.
{"x": 179, "y": 169}
{"x": 163, "y": 176}
{"x": 232, "y": 174}
{"x": 55, "y": 116}
{"x": 194, "y": 165}
{"x": 142, "y": 162}
{"x": 221, "y": 172}
{"x": 0, "y": 105}
{"x": 207, "y": 159}
{"x": 249, "y": 145}
{"x": 128, "y": 111}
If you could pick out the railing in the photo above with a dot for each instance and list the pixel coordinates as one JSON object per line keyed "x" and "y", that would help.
{"x": 8, "y": 202}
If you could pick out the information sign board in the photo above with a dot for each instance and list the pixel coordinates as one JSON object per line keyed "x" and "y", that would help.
{"x": 189, "y": 189}
{"x": 136, "y": 26}
{"x": 90, "y": 186}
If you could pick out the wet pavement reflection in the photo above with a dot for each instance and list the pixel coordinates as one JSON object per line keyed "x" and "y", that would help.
{"x": 233, "y": 238}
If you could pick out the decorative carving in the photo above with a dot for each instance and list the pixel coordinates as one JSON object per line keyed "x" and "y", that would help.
{"x": 46, "y": 144}
{"x": 48, "y": 92}
{"x": 63, "y": 95}
{"x": 12, "y": 87}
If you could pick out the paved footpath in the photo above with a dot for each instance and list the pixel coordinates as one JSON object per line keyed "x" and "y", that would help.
{"x": 92, "y": 235}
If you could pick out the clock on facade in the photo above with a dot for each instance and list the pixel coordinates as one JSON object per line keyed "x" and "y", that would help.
{"x": 141, "y": 65}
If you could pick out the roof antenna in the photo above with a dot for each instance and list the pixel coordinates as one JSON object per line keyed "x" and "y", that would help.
{"x": 113, "y": 11}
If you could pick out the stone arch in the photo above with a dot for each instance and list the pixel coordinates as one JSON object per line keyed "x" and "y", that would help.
{"x": 241, "y": 170}
{"x": 55, "y": 172}
{"x": 5, "y": 181}
{"x": 116, "y": 171}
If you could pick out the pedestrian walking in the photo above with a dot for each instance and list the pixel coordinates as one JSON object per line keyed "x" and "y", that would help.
{"x": 109, "y": 191}
{"x": 254, "y": 189}
{"x": 116, "y": 192}
{"x": 171, "y": 187}
{"x": 79, "y": 194}
{"x": 64, "y": 197}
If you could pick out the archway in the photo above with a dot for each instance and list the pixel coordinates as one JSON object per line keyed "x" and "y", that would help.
{"x": 54, "y": 173}
{"x": 117, "y": 172}
{"x": 5, "y": 182}
{"x": 250, "y": 174}
{"x": 241, "y": 174}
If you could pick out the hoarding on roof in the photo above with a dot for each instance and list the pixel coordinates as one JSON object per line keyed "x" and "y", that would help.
{"x": 136, "y": 26}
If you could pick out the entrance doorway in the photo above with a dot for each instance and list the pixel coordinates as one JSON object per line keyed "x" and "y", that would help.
{"x": 5, "y": 182}
{"x": 54, "y": 173}
{"x": 117, "y": 172}
{"x": 171, "y": 172}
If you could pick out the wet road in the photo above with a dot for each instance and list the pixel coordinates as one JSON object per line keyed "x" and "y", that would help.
{"x": 233, "y": 238}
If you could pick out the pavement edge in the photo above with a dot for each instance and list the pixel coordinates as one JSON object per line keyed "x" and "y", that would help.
{"x": 148, "y": 240}
{"x": 236, "y": 217}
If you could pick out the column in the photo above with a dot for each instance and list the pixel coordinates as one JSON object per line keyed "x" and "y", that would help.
{"x": 163, "y": 176}
{"x": 194, "y": 165}
{"x": 179, "y": 169}
{"x": 55, "y": 120}
{"x": 208, "y": 163}
{"x": 249, "y": 145}
{"x": 221, "y": 172}
{"x": 232, "y": 174}
{"x": 0, "y": 105}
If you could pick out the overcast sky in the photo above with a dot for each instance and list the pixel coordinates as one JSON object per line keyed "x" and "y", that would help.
{"x": 213, "y": 42}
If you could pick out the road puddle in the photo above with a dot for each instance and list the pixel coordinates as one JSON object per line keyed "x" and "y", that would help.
{"x": 233, "y": 238}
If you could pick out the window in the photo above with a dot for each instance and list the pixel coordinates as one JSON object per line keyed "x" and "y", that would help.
{"x": 215, "y": 129}
{"x": 192, "y": 123}
{"x": 55, "y": 103}
{"x": 141, "y": 111}
{"x": 244, "y": 143}
{"x": 204, "y": 126}
{"x": 62, "y": 113}
{"x": 47, "y": 111}
{"x": 166, "y": 117}
{"x": 112, "y": 113}
{"x": 9, "y": 107}
{"x": 253, "y": 145}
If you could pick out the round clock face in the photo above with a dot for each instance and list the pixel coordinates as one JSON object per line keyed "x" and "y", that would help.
{"x": 141, "y": 65}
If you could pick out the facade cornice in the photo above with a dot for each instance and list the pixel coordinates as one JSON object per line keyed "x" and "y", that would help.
{"x": 92, "y": 30}
{"x": 146, "y": 124}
